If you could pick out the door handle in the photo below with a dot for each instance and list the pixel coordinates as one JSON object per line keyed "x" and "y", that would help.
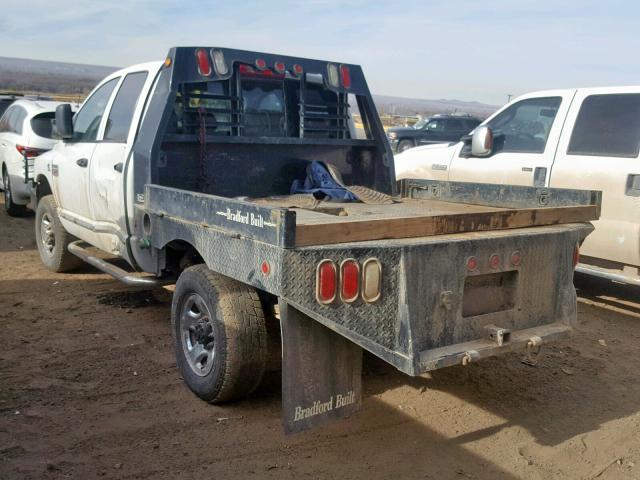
{"x": 118, "y": 167}
{"x": 82, "y": 162}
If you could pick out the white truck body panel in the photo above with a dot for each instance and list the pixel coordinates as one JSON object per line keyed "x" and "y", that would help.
{"x": 614, "y": 246}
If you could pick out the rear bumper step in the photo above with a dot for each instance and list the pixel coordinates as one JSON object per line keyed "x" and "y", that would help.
{"x": 78, "y": 249}
{"x": 465, "y": 353}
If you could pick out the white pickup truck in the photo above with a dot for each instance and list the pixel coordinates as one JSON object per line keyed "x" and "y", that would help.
{"x": 577, "y": 138}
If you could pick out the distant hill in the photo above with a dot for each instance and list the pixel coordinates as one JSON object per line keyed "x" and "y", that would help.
{"x": 24, "y": 75}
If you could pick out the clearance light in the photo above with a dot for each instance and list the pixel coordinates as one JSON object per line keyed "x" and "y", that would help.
{"x": 345, "y": 75}
{"x": 297, "y": 69}
{"x": 219, "y": 63}
{"x": 326, "y": 282}
{"x": 371, "y": 280}
{"x": 349, "y": 280}
{"x": 494, "y": 261}
{"x": 279, "y": 67}
{"x": 472, "y": 264}
{"x": 516, "y": 258}
{"x": 332, "y": 70}
{"x": 204, "y": 67}
{"x": 261, "y": 63}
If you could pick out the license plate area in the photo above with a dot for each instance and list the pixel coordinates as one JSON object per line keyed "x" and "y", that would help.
{"x": 489, "y": 293}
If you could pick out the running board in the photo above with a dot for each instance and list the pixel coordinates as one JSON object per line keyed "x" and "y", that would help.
{"x": 116, "y": 272}
{"x": 607, "y": 274}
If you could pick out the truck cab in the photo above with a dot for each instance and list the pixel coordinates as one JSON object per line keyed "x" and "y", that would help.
{"x": 572, "y": 138}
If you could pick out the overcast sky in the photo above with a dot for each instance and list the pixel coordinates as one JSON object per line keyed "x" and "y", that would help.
{"x": 474, "y": 50}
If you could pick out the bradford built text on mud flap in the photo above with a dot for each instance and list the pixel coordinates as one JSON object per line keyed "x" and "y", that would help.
{"x": 319, "y": 407}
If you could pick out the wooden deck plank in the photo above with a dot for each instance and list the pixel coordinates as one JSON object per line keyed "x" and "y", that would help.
{"x": 354, "y": 229}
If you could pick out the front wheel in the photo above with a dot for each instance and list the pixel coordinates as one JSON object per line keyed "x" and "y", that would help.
{"x": 52, "y": 238}
{"x": 12, "y": 208}
{"x": 219, "y": 334}
{"x": 405, "y": 145}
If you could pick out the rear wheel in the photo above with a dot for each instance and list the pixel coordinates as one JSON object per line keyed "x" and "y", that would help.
{"x": 12, "y": 208}
{"x": 52, "y": 238}
{"x": 405, "y": 145}
{"x": 219, "y": 333}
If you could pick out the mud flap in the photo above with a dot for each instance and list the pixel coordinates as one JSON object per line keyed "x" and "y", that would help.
{"x": 321, "y": 372}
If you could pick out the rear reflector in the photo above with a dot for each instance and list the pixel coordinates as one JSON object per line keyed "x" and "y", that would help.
{"x": 204, "y": 67}
{"x": 349, "y": 280}
{"x": 326, "y": 282}
{"x": 332, "y": 70}
{"x": 219, "y": 63}
{"x": 371, "y": 280}
{"x": 345, "y": 75}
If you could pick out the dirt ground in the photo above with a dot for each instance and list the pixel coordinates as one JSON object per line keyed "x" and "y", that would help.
{"x": 89, "y": 388}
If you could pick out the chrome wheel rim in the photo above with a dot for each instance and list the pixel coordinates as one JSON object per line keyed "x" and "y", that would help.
{"x": 196, "y": 333}
{"x": 47, "y": 236}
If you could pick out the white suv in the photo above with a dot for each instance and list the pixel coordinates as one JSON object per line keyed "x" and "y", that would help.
{"x": 25, "y": 133}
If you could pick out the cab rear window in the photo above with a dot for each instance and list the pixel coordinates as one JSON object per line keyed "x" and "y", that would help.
{"x": 252, "y": 104}
{"x": 42, "y": 124}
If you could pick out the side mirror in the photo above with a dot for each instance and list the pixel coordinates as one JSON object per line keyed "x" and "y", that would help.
{"x": 482, "y": 142}
{"x": 64, "y": 121}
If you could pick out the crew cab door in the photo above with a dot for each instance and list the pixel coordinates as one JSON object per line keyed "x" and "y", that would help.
{"x": 70, "y": 166}
{"x": 108, "y": 164}
{"x": 599, "y": 150}
{"x": 526, "y": 135}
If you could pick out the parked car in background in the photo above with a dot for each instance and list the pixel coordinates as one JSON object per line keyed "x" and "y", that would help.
{"x": 7, "y": 99}
{"x": 435, "y": 129}
{"x": 25, "y": 132}
{"x": 586, "y": 138}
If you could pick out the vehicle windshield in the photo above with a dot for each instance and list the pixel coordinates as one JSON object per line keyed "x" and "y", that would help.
{"x": 420, "y": 124}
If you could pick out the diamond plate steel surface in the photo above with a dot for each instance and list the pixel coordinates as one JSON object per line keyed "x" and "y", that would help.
{"x": 376, "y": 321}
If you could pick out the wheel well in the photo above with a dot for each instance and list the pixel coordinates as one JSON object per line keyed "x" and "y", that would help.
{"x": 179, "y": 255}
{"x": 42, "y": 187}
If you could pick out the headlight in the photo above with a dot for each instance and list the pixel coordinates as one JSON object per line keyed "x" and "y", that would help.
{"x": 392, "y": 135}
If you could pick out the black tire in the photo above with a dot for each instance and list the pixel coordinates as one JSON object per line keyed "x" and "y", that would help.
{"x": 227, "y": 334}
{"x": 405, "y": 145}
{"x": 13, "y": 209}
{"x": 52, "y": 239}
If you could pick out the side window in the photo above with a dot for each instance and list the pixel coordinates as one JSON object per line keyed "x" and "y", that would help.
{"x": 87, "y": 121}
{"x": 4, "y": 120}
{"x": 607, "y": 125}
{"x": 121, "y": 114}
{"x": 436, "y": 125}
{"x": 454, "y": 124}
{"x": 525, "y": 125}
{"x": 16, "y": 121}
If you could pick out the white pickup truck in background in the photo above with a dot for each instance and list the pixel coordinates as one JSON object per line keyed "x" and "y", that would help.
{"x": 587, "y": 138}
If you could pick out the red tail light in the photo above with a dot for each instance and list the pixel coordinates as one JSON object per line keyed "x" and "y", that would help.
{"x": 261, "y": 63}
{"x": 204, "y": 67}
{"x": 297, "y": 69}
{"x": 516, "y": 258}
{"x": 349, "y": 280}
{"x": 494, "y": 261}
{"x": 472, "y": 264}
{"x": 279, "y": 67}
{"x": 326, "y": 282}
{"x": 30, "y": 152}
{"x": 576, "y": 256}
{"x": 345, "y": 75}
